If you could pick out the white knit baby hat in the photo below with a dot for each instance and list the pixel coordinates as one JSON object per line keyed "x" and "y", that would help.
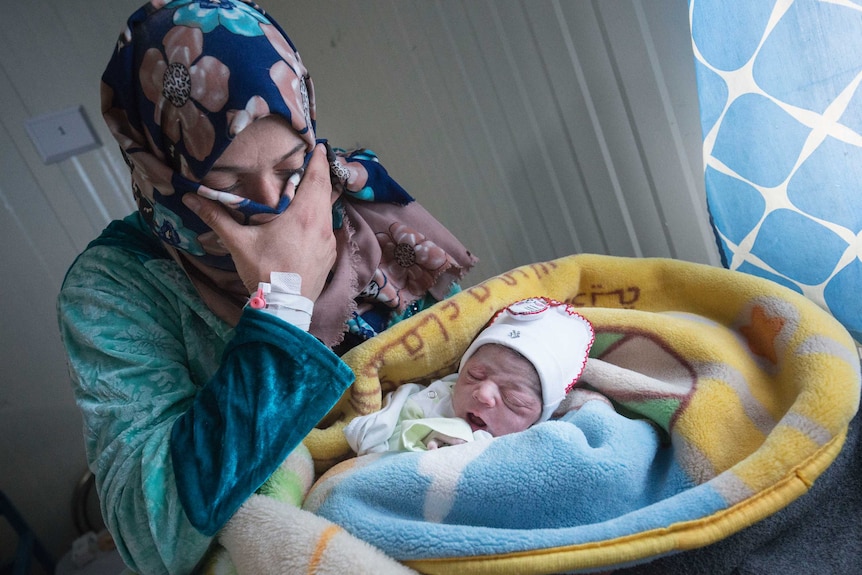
{"x": 551, "y": 335}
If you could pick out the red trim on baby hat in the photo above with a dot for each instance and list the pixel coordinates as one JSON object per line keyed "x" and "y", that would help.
{"x": 586, "y": 355}
{"x": 570, "y": 310}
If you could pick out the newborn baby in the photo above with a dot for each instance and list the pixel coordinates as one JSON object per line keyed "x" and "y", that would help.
{"x": 513, "y": 375}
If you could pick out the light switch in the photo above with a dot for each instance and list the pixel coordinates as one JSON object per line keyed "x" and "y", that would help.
{"x": 60, "y": 135}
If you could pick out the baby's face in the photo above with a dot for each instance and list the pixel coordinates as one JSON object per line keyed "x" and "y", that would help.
{"x": 498, "y": 391}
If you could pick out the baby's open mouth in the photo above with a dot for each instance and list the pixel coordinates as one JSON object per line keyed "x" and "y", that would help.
{"x": 475, "y": 421}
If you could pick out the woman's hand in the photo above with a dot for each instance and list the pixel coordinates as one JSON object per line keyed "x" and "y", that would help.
{"x": 300, "y": 240}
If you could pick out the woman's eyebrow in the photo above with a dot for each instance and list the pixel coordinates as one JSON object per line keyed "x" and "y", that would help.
{"x": 292, "y": 152}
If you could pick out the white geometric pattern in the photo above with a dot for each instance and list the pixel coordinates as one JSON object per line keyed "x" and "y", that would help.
{"x": 781, "y": 113}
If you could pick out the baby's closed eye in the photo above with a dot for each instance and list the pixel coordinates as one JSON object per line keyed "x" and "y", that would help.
{"x": 518, "y": 400}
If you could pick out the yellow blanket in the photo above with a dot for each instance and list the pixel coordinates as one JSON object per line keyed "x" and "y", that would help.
{"x": 753, "y": 384}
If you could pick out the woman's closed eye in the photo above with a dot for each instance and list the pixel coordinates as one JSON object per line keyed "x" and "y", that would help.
{"x": 237, "y": 186}
{"x": 231, "y": 189}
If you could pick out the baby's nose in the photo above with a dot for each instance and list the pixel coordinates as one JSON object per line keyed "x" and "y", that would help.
{"x": 486, "y": 393}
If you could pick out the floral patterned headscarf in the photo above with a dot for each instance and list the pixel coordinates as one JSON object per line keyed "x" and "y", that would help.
{"x": 185, "y": 78}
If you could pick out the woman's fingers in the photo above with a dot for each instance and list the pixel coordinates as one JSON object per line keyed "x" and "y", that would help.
{"x": 308, "y": 224}
{"x": 212, "y": 214}
{"x": 315, "y": 188}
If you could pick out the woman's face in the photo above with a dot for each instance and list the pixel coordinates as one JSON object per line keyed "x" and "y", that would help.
{"x": 259, "y": 162}
{"x": 497, "y": 391}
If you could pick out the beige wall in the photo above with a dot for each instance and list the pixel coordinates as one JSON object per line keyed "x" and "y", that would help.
{"x": 533, "y": 128}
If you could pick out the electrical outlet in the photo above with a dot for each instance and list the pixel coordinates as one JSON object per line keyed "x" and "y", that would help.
{"x": 60, "y": 135}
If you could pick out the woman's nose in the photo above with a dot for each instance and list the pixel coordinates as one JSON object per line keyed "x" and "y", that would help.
{"x": 267, "y": 190}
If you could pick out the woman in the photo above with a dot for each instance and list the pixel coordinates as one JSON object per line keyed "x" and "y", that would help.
{"x": 200, "y": 329}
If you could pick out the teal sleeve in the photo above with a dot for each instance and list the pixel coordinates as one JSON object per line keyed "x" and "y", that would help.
{"x": 275, "y": 383}
{"x": 128, "y": 348}
{"x": 141, "y": 348}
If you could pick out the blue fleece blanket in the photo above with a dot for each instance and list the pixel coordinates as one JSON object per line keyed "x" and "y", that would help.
{"x": 592, "y": 475}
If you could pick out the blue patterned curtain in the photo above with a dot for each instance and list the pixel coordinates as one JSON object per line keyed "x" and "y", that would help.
{"x": 781, "y": 112}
